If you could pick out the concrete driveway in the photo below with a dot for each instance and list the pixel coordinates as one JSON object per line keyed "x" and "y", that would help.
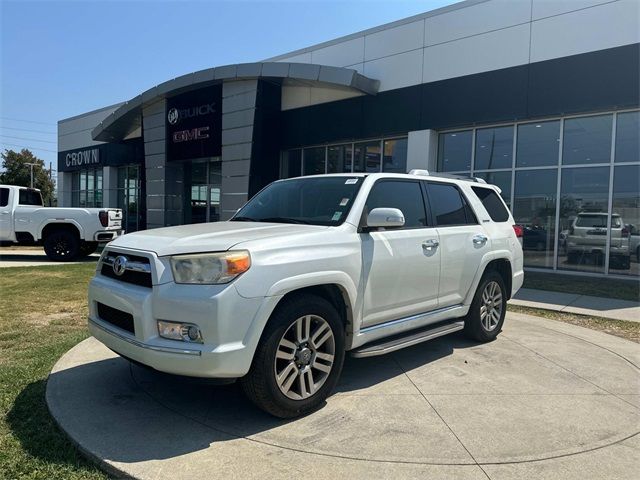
{"x": 545, "y": 400}
{"x": 33, "y": 257}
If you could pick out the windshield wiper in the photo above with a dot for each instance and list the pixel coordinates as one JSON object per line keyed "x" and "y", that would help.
{"x": 283, "y": 220}
{"x": 243, "y": 219}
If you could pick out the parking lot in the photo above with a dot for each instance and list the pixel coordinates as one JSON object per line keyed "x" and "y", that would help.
{"x": 545, "y": 400}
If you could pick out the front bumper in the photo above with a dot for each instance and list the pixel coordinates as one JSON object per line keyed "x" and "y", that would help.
{"x": 231, "y": 326}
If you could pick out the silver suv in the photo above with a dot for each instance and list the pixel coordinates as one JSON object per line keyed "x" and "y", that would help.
{"x": 588, "y": 237}
{"x": 309, "y": 269}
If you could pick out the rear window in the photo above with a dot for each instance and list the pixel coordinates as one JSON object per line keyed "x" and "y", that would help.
{"x": 449, "y": 206}
{"x": 4, "y": 197}
{"x": 597, "y": 221}
{"x": 492, "y": 203}
{"x": 30, "y": 197}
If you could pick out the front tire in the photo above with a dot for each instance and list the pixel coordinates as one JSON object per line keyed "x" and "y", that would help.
{"x": 486, "y": 315}
{"x": 299, "y": 358}
{"x": 61, "y": 246}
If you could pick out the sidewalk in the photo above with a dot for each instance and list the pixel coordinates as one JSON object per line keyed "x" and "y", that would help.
{"x": 580, "y": 304}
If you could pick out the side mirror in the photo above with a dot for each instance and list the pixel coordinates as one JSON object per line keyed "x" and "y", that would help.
{"x": 385, "y": 217}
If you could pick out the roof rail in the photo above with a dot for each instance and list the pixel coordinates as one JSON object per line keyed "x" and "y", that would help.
{"x": 418, "y": 171}
{"x": 459, "y": 177}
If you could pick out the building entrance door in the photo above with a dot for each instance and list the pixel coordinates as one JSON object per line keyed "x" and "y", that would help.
{"x": 204, "y": 191}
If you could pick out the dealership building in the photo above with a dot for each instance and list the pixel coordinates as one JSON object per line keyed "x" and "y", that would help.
{"x": 540, "y": 97}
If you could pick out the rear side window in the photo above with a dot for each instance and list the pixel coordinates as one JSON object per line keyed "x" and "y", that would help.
{"x": 449, "y": 206}
{"x": 406, "y": 196}
{"x": 492, "y": 203}
{"x": 30, "y": 197}
{"x": 4, "y": 197}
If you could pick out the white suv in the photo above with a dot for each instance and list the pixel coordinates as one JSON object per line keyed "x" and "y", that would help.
{"x": 309, "y": 269}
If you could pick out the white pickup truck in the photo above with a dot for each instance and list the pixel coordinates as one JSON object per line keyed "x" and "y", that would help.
{"x": 65, "y": 233}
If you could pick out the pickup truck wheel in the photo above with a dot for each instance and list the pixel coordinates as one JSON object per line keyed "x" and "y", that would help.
{"x": 488, "y": 308}
{"x": 61, "y": 246}
{"x": 299, "y": 358}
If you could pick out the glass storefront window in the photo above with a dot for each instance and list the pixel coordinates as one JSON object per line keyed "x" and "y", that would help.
{"x": 203, "y": 190}
{"x": 494, "y": 148}
{"x": 587, "y": 140}
{"x": 583, "y": 218}
{"x": 502, "y": 180}
{"x": 128, "y": 196}
{"x": 538, "y": 144}
{"x": 395, "y": 156}
{"x": 86, "y": 188}
{"x": 454, "y": 151}
{"x": 313, "y": 161}
{"x": 534, "y": 207}
{"x": 628, "y": 137}
{"x": 624, "y": 252}
{"x": 291, "y": 163}
{"x": 339, "y": 158}
{"x": 366, "y": 157}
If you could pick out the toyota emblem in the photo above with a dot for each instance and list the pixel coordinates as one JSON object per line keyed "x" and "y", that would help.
{"x": 120, "y": 265}
{"x": 173, "y": 116}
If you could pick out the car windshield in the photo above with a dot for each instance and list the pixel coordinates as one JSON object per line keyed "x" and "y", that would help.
{"x": 597, "y": 221}
{"x": 310, "y": 200}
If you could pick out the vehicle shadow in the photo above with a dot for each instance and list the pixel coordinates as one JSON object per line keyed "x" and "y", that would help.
{"x": 37, "y": 257}
{"x": 122, "y": 412}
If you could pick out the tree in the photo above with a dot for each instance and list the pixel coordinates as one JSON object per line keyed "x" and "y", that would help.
{"x": 17, "y": 172}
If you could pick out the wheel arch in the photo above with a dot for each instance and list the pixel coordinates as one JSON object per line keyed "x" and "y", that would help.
{"x": 54, "y": 225}
{"x": 500, "y": 262}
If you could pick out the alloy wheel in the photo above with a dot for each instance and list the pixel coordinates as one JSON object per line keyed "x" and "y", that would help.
{"x": 491, "y": 307}
{"x": 304, "y": 357}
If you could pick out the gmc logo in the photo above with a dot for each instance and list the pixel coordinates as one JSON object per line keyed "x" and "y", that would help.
{"x": 199, "y": 133}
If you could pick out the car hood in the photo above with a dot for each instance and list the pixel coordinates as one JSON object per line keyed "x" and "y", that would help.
{"x": 206, "y": 237}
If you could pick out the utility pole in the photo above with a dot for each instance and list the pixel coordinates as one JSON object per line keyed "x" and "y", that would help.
{"x": 31, "y": 165}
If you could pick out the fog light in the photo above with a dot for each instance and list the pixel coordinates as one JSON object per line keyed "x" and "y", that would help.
{"x": 185, "y": 332}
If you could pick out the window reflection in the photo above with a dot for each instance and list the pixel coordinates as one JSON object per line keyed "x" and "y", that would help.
{"x": 339, "y": 158}
{"x": 624, "y": 256}
{"x": 313, "y": 161}
{"x": 291, "y": 163}
{"x": 494, "y": 148}
{"x": 587, "y": 140}
{"x": 500, "y": 179}
{"x": 627, "y": 137}
{"x": 366, "y": 157}
{"x": 538, "y": 144}
{"x": 534, "y": 207}
{"x": 454, "y": 151}
{"x": 395, "y": 156}
{"x": 583, "y": 218}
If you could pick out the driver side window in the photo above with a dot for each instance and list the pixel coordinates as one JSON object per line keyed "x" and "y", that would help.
{"x": 404, "y": 195}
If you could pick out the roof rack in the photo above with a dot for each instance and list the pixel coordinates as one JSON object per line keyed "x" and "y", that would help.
{"x": 447, "y": 175}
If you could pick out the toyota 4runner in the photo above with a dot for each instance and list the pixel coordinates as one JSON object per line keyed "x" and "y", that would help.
{"x": 309, "y": 269}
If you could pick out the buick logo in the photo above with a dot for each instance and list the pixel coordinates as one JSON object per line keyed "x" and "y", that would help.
{"x": 120, "y": 265}
{"x": 173, "y": 116}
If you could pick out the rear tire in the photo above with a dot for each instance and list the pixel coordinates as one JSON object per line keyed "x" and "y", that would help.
{"x": 486, "y": 315}
{"x": 61, "y": 245}
{"x": 305, "y": 334}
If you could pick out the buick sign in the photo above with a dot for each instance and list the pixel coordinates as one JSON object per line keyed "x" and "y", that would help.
{"x": 173, "y": 116}
{"x": 120, "y": 265}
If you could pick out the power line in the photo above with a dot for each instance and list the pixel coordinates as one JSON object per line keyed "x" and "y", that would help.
{"x": 26, "y": 130}
{"x": 28, "y": 147}
{"x": 31, "y": 139}
{"x": 26, "y": 121}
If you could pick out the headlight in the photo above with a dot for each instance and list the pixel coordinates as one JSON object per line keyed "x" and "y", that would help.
{"x": 210, "y": 268}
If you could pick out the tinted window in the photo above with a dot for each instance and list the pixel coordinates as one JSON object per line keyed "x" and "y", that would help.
{"x": 454, "y": 151}
{"x": 29, "y": 197}
{"x": 628, "y": 137}
{"x": 395, "y": 156}
{"x": 499, "y": 179}
{"x": 291, "y": 164}
{"x": 4, "y": 197}
{"x": 339, "y": 159}
{"x": 587, "y": 140}
{"x": 538, "y": 144}
{"x": 406, "y": 196}
{"x": 494, "y": 148}
{"x": 492, "y": 203}
{"x": 313, "y": 161}
{"x": 366, "y": 157}
{"x": 448, "y": 205}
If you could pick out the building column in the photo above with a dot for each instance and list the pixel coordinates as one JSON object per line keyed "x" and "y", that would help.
{"x": 422, "y": 150}
{"x": 164, "y": 182}
{"x": 63, "y": 186}
{"x": 110, "y": 187}
{"x": 238, "y": 112}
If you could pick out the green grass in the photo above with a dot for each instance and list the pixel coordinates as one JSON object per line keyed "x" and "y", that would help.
{"x": 42, "y": 315}
{"x": 597, "y": 287}
{"x": 619, "y": 328}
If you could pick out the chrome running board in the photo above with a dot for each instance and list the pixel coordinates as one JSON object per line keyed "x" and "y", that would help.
{"x": 413, "y": 337}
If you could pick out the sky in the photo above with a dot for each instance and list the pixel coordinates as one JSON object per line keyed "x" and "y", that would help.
{"x": 62, "y": 58}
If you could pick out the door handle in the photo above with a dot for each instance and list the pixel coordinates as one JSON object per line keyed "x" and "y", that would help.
{"x": 479, "y": 240}
{"x": 429, "y": 244}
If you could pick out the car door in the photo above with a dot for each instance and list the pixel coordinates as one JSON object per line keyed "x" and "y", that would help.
{"x": 6, "y": 217}
{"x": 463, "y": 241}
{"x": 401, "y": 266}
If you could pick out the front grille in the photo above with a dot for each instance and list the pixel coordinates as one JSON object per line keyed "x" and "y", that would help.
{"x": 116, "y": 317}
{"x": 140, "y": 275}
